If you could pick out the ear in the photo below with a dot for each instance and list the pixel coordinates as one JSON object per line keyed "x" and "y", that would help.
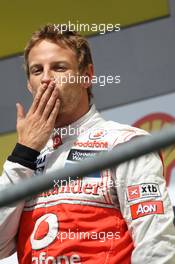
{"x": 89, "y": 71}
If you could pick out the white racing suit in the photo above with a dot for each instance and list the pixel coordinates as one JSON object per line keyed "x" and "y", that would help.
{"x": 119, "y": 215}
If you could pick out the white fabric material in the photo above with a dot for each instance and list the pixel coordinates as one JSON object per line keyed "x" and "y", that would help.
{"x": 153, "y": 235}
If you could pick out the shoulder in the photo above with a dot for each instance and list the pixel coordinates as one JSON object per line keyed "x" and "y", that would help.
{"x": 118, "y": 133}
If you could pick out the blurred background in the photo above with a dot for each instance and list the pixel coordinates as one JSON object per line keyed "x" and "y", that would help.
{"x": 142, "y": 53}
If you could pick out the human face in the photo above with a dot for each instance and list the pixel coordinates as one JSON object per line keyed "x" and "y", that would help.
{"x": 48, "y": 60}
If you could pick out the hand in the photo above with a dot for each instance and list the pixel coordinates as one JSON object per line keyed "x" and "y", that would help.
{"x": 35, "y": 127}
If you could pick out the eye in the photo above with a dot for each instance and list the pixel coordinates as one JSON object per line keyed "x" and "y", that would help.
{"x": 60, "y": 68}
{"x": 36, "y": 71}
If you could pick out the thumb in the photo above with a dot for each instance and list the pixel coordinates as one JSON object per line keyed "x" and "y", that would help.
{"x": 20, "y": 111}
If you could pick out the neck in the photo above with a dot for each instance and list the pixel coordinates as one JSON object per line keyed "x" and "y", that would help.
{"x": 66, "y": 118}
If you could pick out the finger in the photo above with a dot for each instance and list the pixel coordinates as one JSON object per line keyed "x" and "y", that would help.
{"x": 50, "y": 104}
{"x": 53, "y": 115}
{"x": 37, "y": 98}
{"x": 20, "y": 112}
{"x": 46, "y": 97}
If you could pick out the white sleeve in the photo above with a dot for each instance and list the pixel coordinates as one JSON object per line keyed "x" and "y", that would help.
{"x": 146, "y": 207}
{"x": 10, "y": 216}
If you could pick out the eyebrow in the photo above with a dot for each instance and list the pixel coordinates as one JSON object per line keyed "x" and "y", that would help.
{"x": 53, "y": 63}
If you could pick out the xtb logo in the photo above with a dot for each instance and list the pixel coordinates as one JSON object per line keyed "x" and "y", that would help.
{"x": 149, "y": 188}
{"x": 143, "y": 190}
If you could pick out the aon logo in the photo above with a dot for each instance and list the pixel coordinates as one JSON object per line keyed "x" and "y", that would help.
{"x": 146, "y": 208}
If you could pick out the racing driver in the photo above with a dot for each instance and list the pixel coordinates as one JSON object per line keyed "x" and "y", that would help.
{"x": 120, "y": 215}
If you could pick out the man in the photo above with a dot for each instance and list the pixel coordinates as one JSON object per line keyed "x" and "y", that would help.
{"x": 119, "y": 215}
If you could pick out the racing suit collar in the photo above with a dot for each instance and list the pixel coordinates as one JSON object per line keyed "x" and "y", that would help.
{"x": 78, "y": 127}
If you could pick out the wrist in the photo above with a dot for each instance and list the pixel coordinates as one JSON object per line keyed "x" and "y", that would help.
{"x": 24, "y": 155}
{"x": 29, "y": 145}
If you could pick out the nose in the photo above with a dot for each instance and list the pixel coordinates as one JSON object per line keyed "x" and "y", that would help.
{"x": 47, "y": 77}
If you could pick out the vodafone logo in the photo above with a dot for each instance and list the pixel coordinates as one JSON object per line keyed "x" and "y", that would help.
{"x": 92, "y": 144}
{"x": 45, "y": 231}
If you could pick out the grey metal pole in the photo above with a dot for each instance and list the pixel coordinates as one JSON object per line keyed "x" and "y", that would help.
{"x": 124, "y": 152}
